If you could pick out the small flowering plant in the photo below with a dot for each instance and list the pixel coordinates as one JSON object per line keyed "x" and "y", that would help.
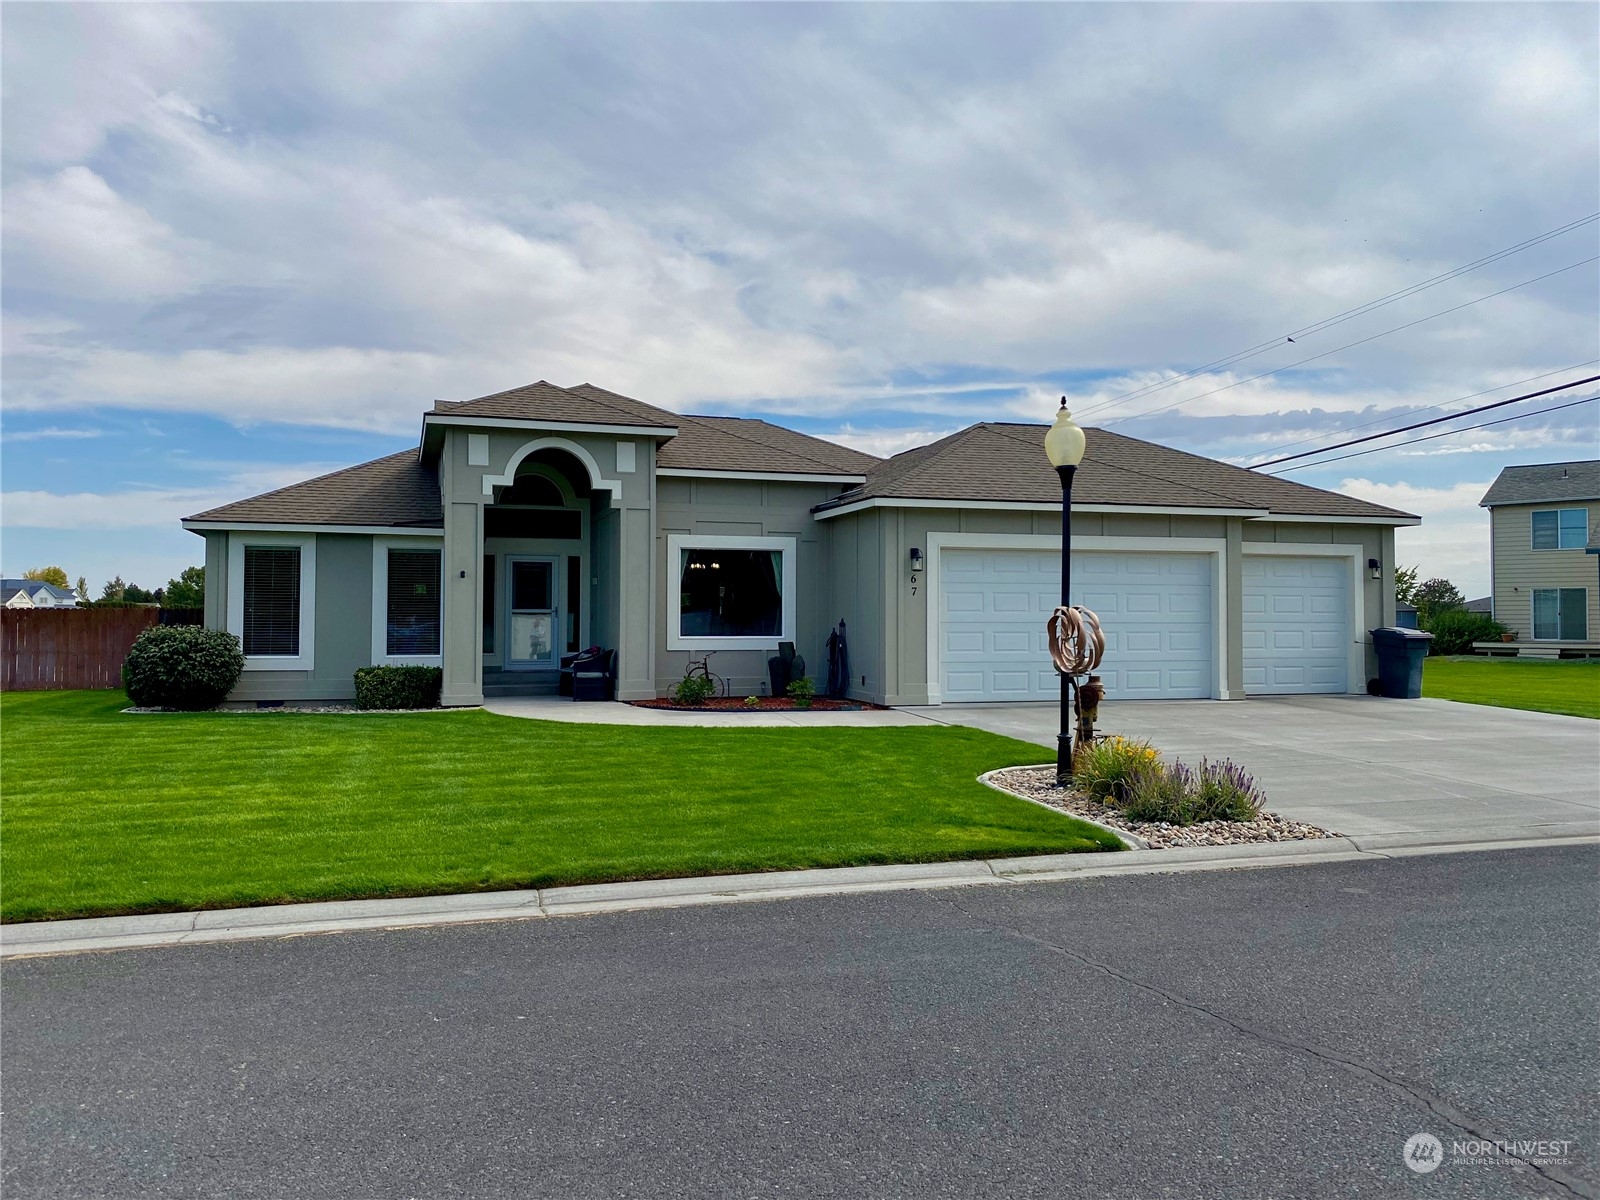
{"x": 1106, "y": 767}
{"x": 1129, "y": 775}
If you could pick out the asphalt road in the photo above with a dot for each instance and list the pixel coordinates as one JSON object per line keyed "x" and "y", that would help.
{"x": 1232, "y": 1034}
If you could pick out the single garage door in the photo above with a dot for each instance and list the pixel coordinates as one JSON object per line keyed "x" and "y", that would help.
{"x": 1296, "y": 625}
{"x": 1156, "y": 610}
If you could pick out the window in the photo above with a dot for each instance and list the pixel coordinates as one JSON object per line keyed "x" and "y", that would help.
{"x": 733, "y": 593}
{"x": 413, "y": 624}
{"x": 407, "y": 601}
{"x": 1560, "y": 614}
{"x": 1560, "y": 529}
{"x": 272, "y": 599}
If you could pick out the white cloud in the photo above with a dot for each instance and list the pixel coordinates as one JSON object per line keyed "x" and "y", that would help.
{"x": 1453, "y": 540}
{"x": 144, "y": 507}
{"x": 885, "y": 443}
{"x": 51, "y": 432}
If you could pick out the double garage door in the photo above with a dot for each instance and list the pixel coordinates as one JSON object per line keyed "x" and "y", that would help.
{"x": 1159, "y": 615}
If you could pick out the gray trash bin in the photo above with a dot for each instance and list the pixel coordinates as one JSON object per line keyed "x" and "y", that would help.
{"x": 1400, "y": 655}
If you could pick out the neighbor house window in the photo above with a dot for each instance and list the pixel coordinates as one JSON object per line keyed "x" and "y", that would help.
{"x": 1561, "y": 614}
{"x": 1561, "y": 529}
{"x": 271, "y": 601}
{"x": 413, "y": 611}
{"x": 730, "y": 592}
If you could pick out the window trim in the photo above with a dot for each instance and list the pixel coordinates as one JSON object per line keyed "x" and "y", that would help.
{"x": 678, "y": 542}
{"x": 1561, "y": 634}
{"x": 1558, "y": 546}
{"x": 306, "y": 660}
{"x": 380, "y": 602}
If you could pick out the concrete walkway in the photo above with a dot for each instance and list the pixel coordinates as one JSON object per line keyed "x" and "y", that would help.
{"x": 561, "y": 708}
{"x": 1365, "y": 766}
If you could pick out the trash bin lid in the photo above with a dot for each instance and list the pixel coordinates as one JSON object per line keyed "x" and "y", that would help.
{"x": 1399, "y": 634}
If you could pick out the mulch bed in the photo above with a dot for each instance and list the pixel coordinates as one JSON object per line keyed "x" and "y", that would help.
{"x": 765, "y": 704}
{"x": 1039, "y": 783}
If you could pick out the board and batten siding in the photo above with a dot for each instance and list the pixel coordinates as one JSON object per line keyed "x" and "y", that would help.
{"x": 1519, "y": 568}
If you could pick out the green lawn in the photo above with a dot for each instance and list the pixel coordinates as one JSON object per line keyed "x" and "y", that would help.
{"x": 1543, "y": 685}
{"x": 110, "y": 813}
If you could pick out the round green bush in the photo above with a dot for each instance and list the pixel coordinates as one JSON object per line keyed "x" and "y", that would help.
{"x": 182, "y": 666}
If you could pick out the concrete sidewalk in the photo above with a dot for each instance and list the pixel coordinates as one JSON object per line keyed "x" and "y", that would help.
{"x": 612, "y": 712}
{"x": 294, "y": 920}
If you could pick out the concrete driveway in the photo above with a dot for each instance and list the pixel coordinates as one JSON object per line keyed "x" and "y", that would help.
{"x": 1358, "y": 765}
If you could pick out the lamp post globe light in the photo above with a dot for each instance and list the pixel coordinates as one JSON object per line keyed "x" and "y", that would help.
{"x": 1064, "y": 445}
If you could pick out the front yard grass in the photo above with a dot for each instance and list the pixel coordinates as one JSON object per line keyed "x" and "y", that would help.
{"x": 108, "y": 813}
{"x": 1570, "y": 686}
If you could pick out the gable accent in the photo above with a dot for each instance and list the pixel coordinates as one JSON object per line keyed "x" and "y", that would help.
{"x": 597, "y": 478}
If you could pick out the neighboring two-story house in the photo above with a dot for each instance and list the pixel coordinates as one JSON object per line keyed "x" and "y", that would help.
{"x": 35, "y": 593}
{"x": 1545, "y": 556}
{"x": 536, "y": 521}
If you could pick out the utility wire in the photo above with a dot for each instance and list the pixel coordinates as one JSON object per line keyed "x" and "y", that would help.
{"x": 1352, "y": 313}
{"x": 1447, "y": 433}
{"x": 1468, "y": 412}
{"x": 1358, "y": 342}
{"x": 1430, "y": 407}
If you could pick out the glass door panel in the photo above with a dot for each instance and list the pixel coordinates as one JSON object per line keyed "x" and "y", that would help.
{"x": 533, "y": 612}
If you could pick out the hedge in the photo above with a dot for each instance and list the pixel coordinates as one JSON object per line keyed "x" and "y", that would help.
{"x": 398, "y": 687}
{"x": 182, "y": 666}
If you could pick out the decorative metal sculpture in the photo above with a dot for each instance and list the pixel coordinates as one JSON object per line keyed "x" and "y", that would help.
{"x": 1077, "y": 645}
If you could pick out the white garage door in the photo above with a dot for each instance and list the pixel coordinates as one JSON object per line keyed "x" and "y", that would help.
{"x": 1296, "y": 625}
{"x": 1156, "y": 609}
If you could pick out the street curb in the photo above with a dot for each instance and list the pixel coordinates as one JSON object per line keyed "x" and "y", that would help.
{"x": 35, "y": 939}
{"x": 1129, "y": 840}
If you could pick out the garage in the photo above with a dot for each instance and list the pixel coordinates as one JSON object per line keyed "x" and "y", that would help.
{"x": 1297, "y": 633}
{"x": 1157, "y": 609}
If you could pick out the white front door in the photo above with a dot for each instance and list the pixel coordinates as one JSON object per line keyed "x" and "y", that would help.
{"x": 1156, "y": 609}
{"x": 1297, "y": 634}
{"x": 532, "y": 585}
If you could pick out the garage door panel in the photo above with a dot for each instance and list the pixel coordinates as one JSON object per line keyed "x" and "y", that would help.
{"x": 1297, "y": 631}
{"x": 1156, "y": 609}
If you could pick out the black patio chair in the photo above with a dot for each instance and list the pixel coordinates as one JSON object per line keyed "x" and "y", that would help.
{"x": 594, "y": 675}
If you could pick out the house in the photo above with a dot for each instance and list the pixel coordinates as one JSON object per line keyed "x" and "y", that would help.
{"x": 34, "y": 593}
{"x": 1544, "y": 525}
{"x": 535, "y": 521}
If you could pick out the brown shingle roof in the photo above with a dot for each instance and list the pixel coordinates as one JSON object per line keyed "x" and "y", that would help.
{"x": 582, "y": 405}
{"x": 1540, "y": 483}
{"x": 1006, "y": 463}
{"x": 742, "y": 444}
{"x": 394, "y": 491}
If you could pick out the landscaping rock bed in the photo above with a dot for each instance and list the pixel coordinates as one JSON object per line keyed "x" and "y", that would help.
{"x": 1039, "y": 783}
{"x": 765, "y": 704}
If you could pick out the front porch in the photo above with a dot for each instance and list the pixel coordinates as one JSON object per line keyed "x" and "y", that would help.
{"x": 1541, "y": 649}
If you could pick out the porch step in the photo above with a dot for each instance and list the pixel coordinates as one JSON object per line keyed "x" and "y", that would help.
{"x": 510, "y": 685}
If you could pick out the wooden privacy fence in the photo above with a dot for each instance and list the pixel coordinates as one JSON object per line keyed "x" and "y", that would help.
{"x": 48, "y": 649}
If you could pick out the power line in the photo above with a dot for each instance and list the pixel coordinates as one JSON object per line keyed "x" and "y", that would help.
{"x": 1430, "y": 407}
{"x": 1351, "y": 313}
{"x": 1372, "y": 437}
{"x": 1447, "y": 433}
{"x": 1358, "y": 342}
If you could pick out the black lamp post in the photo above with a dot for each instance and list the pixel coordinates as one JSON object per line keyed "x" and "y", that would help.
{"x": 1064, "y": 443}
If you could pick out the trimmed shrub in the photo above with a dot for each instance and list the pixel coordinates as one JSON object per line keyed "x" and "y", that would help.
{"x": 694, "y": 689}
{"x": 182, "y": 666}
{"x": 1225, "y": 791}
{"x": 1455, "y": 629}
{"x": 1157, "y": 792}
{"x": 398, "y": 687}
{"x": 802, "y": 691}
{"x": 1103, "y": 768}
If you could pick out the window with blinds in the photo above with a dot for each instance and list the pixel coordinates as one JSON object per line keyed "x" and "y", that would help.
{"x": 272, "y": 601}
{"x": 414, "y": 619}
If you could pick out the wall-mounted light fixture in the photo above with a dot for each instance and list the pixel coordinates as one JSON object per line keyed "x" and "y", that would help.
{"x": 916, "y": 558}
{"x": 1375, "y": 568}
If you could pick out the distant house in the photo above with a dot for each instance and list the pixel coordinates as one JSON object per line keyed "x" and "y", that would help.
{"x": 34, "y": 593}
{"x": 1543, "y": 553}
{"x": 1484, "y": 606}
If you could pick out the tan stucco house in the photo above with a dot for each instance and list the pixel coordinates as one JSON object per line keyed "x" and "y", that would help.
{"x": 1544, "y": 555}
{"x": 536, "y": 521}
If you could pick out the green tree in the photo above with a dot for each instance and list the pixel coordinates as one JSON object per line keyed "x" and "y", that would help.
{"x": 83, "y": 589}
{"x": 188, "y": 590}
{"x": 1405, "y": 585}
{"x": 114, "y": 590}
{"x": 1436, "y": 596}
{"x": 53, "y": 575}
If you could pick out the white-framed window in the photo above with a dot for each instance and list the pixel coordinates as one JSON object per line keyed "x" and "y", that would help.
{"x": 1560, "y": 614}
{"x": 1560, "y": 528}
{"x": 407, "y": 601}
{"x": 730, "y": 592}
{"x": 272, "y": 599}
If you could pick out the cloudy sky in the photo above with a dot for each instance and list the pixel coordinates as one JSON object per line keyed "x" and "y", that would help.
{"x": 247, "y": 244}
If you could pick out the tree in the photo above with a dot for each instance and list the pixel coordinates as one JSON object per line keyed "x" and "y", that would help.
{"x": 53, "y": 575}
{"x": 114, "y": 590}
{"x": 1405, "y": 585}
{"x": 1436, "y": 596}
{"x": 134, "y": 594}
{"x": 188, "y": 590}
{"x": 83, "y": 589}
